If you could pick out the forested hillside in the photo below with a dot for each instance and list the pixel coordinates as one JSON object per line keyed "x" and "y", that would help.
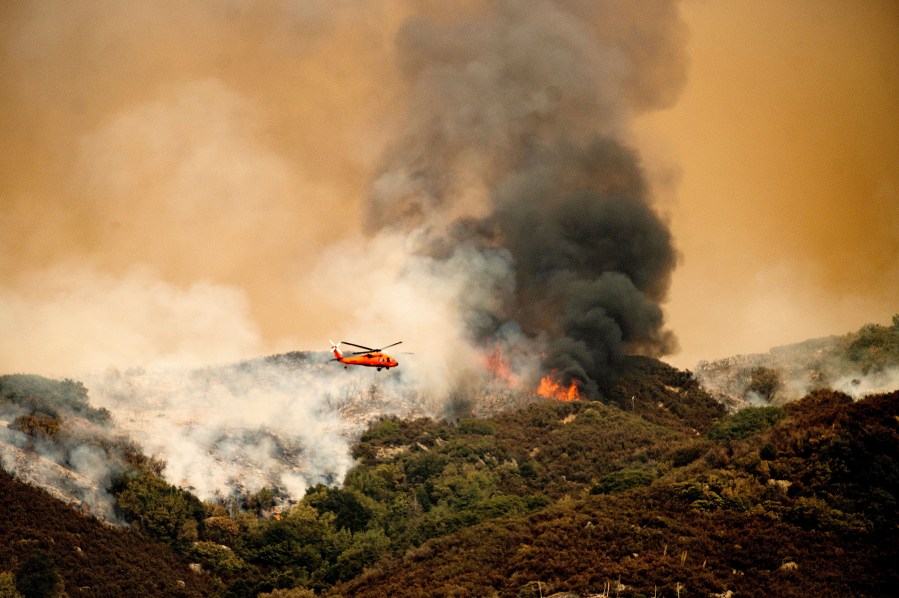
{"x": 796, "y": 501}
{"x": 654, "y": 491}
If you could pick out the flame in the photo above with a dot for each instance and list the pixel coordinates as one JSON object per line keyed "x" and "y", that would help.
{"x": 498, "y": 367}
{"x": 551, "y": 388}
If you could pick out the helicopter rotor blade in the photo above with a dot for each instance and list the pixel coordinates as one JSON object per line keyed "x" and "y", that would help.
{"x": 388, "y": 346}
{"x": 367, "y": 349}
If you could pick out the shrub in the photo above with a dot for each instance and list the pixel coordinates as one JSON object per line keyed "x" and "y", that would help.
{"x": 288, "y": 593}
{"x": 348, "y": 510}
{"x": 814, "y": 513}
{"x": 745, "y": 422}
{"x": 220, "y": 559}
{"x": 260, "y": 501}
{"x": 222, "y": 530}
{"x": 386, "y": 430}
{"x": 625, "y": 479}
{"x": 764, "y": 382}
{"x": 876, "y": 347}
{"x": 425, "y": 466}
{"x": 685, "y": 455}
{"x": 38, "y": 394}
{"x": 37, "y": 425}
{"x": 367, "y": 548}
{"x": 8, "y": 586}
{"x": 481, "y": 427}
{"x": 768, "y": 452}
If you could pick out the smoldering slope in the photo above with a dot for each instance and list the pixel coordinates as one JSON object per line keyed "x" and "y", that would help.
{"x": 226, "y": 431}
{"x": 503, "y": 213}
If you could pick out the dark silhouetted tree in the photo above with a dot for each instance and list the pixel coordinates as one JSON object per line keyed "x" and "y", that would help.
{"x": 37, "y": 576}
{"x": 765, "y": 382}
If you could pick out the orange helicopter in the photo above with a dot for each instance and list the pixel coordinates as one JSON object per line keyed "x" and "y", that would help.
{"x": 372, "y": 358}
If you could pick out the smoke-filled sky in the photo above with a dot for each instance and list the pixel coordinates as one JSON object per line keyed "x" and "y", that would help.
{"x": 784, "y": 165}
{"x": 198, "y": 182}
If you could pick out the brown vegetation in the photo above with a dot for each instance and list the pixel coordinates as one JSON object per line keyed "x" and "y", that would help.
{"x": 91, "y": 558}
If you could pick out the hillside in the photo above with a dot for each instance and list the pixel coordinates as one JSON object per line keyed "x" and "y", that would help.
{"x": 51, "y": 435}
{"x": 657, "y": 490}
{"x": 790, "y": 502}
{"x": 859, "y": 363}
{"x": 41, "y": 535}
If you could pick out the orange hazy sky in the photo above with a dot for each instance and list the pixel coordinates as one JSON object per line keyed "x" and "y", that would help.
{"x": 784, "y": 155}
{"x": 172, "y": 182}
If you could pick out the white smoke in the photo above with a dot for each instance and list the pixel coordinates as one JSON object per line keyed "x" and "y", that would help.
{"x": 859, "y": 385}
{"x": 285, "y": 424}
{"x": 143, "y": 348}
{"x": 72, "y": 466}
{"x": 388, "y": 294}
{"x": 799, "y": 369}
{"x": 80, "y": 319}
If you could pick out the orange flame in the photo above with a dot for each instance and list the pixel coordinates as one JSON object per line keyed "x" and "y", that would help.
{"x": 553, "y": 389}
{"x": 499, "y": 367}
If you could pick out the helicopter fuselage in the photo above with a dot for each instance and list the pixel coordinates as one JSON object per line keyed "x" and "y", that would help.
{"x": 372, "y": 358}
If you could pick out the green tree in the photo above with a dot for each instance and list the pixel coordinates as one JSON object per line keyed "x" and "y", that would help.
{"x": 220, "y": 559}
{"x": 163, "y": 511}
{"x": 262, "y": 500}
{"x": 625, "y": 479}
{"x": 37, "y": 576}
{"x": 366, "y": 549}
{"x": 875, "y": 347}
{"x": 348, "y": 510}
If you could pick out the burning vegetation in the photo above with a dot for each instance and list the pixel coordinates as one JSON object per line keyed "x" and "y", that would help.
{"x": 560, "y": 250}
{"x": 551, "y": 388}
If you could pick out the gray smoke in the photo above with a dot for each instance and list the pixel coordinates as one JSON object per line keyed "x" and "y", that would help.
{"x": 510, "y": 228}
{"x": 514, "y": 147}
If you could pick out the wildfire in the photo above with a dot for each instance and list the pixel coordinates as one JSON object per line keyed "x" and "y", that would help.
{"x": 551, "y": 388}
{"x": 499, "y": 367}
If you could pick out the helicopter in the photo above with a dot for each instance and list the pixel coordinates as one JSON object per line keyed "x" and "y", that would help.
{"x": 373, "y": 358}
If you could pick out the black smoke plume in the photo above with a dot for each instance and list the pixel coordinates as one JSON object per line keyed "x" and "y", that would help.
{"x": 514, "y": 148}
